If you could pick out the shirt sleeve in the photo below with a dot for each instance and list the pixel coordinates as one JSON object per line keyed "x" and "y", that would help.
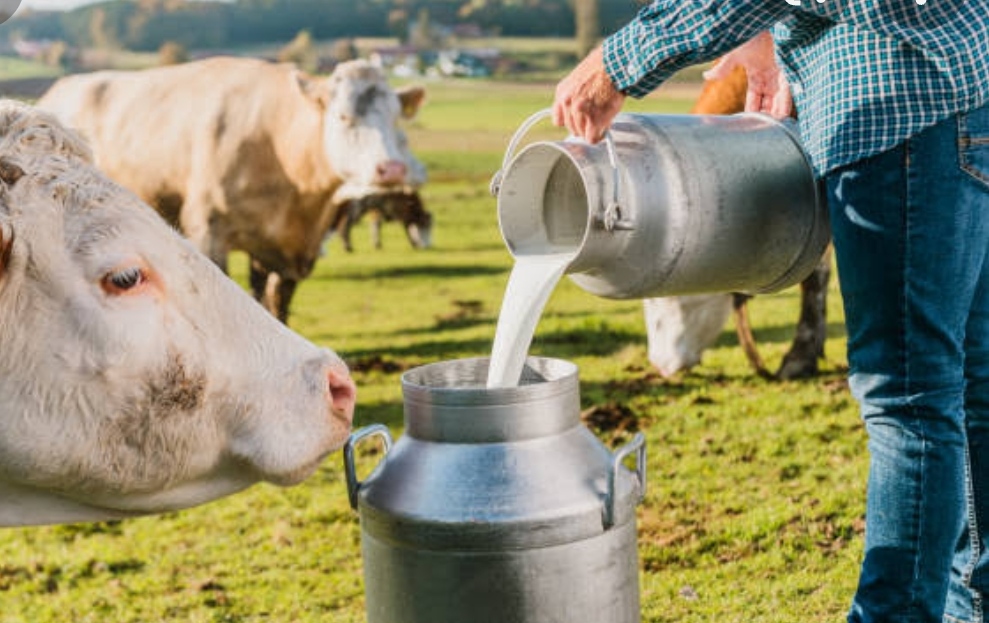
{"x": 668, "y": 35}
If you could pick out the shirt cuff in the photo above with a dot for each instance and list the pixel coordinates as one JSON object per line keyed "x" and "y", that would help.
{"x": 624, "y": 67}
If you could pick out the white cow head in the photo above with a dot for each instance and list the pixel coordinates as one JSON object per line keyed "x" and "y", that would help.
{"x": 136, "y": 377}
{"x": 680, "y": 328}
{"x": 362, "y": 141}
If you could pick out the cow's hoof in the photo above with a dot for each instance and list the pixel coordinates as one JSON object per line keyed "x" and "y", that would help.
{"x": 797, "y": 368}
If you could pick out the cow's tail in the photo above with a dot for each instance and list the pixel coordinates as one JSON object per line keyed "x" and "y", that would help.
{"x": 743, "y": 329}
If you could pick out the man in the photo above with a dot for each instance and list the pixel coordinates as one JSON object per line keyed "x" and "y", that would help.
{"x": 892, "y": 98}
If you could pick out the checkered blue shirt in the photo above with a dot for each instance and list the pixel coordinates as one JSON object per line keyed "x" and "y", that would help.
{"x": 865, "y": 74}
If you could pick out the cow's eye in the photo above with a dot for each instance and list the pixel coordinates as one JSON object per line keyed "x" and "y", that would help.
{"x": 124, "y": 279}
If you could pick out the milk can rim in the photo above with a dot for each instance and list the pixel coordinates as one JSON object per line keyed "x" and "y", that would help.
{"x": 563, "y": 376}
{"x": 562, "y": 149}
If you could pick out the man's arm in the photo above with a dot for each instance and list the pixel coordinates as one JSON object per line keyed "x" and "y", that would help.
{"x": 662, "y": 39}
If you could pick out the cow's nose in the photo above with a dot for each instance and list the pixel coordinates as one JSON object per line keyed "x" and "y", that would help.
{"x": 391, "y": 172}
{"x": 343, "y": 392}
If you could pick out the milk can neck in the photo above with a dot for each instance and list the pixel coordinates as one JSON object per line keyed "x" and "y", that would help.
{"x": 449, "y": 402}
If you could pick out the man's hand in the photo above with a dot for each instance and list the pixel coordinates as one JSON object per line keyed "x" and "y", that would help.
{"x": 586, "y": 100}
{"x": 768, "y": 90}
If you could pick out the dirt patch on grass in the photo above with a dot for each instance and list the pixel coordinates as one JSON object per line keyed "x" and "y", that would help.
{"x": 611, "y": 417}
{"x": 377, "y": 363}
{"x": 464, "y": 313}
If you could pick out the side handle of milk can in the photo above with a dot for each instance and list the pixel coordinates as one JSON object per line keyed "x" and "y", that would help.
{"x": 637, "y": 445}
{"x": 374, "y": 430}
{"x": 612, "y": 217}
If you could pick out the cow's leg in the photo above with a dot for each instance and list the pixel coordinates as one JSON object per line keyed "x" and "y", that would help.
{"x": 346, "y": 223}
{"x": 258, "y": 279}
{"x": 273, "y": 291}
{"x": 278, "y": 295}
{"x": 808, "y": 343}
{"x": 376, "y": 219}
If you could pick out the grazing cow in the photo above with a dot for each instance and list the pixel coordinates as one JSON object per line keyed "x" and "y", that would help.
{"x": 402, "y": 206}
{"x": 136, "y": 377}
{"x": 679, "y": 329}
{"x": 244, "y": 154}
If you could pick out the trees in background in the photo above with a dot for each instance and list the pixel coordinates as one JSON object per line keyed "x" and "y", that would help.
{"x": 587, "y": 25}
{"x": 146, "y": 25}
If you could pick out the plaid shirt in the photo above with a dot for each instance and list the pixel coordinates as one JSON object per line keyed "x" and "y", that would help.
{"x": 865, "y": 74}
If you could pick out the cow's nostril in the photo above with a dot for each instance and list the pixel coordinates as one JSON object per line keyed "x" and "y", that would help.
{"x": 392, "y": 172}
{"x": 343, "y": 392}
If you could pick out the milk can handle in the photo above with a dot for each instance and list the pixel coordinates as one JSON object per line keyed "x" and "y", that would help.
{"x": 637, "y": 445}
{"x": 612, "y": 217}
{"x": 374, "y": 430}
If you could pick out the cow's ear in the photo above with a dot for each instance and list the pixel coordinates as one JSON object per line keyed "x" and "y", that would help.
{"x": 411, "y": 99}
{"x": 313, "y": 90}
{"x": 10, "y": 172}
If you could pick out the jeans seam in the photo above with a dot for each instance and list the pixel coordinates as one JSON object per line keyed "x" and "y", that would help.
{"x": 905, "y": 359}
{"x": 904, "y": 307}
{"x": 973, "y": 541}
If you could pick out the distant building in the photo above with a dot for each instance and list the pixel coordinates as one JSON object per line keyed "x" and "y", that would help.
{"x": 32, "y": 49}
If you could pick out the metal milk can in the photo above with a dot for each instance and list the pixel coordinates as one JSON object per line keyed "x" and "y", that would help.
{"x": 668, "y": 205}
{"x": 497, "y": 505}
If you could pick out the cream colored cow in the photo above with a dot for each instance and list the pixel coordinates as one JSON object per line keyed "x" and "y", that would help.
{"x": 245, "y": 154}
{"x": 136, "y": 377}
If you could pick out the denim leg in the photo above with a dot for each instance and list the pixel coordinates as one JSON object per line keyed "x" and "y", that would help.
{"x": 910, "y": 246}
{"x": 970, "y": 572}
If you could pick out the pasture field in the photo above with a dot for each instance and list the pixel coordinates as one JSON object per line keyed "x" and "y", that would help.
{"x": 756, "y": 489}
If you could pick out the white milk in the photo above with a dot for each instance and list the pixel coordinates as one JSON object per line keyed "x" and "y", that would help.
{"x": 529, "y": 286}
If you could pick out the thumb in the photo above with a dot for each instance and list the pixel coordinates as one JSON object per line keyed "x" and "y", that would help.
{"x": 722, "y": 69}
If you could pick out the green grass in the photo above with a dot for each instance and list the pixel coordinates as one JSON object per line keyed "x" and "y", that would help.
{"x": 12, "y": 68}
{"x": 756, "y": 489}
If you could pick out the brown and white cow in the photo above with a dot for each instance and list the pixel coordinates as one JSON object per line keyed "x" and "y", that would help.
{"x": 680, "y": 328}
{"x": 244, "y": 154}
{"x": 136, "y": 377}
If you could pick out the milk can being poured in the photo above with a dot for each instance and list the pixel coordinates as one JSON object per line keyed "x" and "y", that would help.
{"x": 666, "y": 205}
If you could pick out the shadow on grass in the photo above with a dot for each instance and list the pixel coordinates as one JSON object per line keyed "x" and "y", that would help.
{"x": 402, "y": 272}
{"x": 598, "y": 341}
{"x": 422, "y": 352}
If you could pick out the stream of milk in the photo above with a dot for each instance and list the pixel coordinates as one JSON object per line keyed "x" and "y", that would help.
{"x": 529, "y": 286}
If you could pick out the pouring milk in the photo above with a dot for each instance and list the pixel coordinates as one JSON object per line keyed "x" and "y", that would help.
{"x": 529, "y": 286}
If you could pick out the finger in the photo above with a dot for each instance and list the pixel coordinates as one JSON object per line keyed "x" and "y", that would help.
{"x": 585, "y": 129}
{"x": 558, "y": 113}
{"x": 781, "y": 106}
{"x": 571, "y": 119}
{"x": 753, "y": 100}
{"x": 594, "y": 133}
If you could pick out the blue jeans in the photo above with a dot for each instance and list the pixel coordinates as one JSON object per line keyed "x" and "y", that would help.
{"x": 911, "y": 235}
